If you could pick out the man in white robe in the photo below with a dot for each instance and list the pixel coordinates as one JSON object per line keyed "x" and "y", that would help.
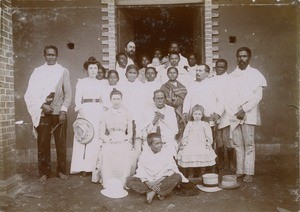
{"x": 49, "y": 115}
{"x": 202, "y": 92}
{"x": 157, "y": 172}
{"x": 244, "y": 92}
{"x": 161, "y": 118}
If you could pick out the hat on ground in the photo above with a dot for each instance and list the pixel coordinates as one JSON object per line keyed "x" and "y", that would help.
{"x": 229, "y": 182}
{"x": 114, "y": 189}
{"x": 210, "y": 183}
{"x": 186, "y": 189}
{"x": 83, "y": 131}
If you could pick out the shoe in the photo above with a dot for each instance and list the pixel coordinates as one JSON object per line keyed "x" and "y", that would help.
{"x": 43, "y": 179}
{"x": 62, "y": 176}
{"x": 248, "y": 178}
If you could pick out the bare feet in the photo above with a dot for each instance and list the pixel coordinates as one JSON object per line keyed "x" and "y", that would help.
{"x": 160, "y": 197}
{"x": 43, "y": 179}
{"x": 62, "y": 176}
{"x": 150, "y": 195}
{"x": 248, "y": 178}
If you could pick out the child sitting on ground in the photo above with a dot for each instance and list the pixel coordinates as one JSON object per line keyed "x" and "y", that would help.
{"x": 157, "y": 173}
{"x": 196, "y": 145}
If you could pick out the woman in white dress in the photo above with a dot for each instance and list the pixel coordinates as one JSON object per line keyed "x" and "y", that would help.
{"x": 89, "y": 105}
{"x": 115, "y": 158}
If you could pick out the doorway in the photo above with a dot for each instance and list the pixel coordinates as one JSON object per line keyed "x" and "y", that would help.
{"x": 156, "y": 26}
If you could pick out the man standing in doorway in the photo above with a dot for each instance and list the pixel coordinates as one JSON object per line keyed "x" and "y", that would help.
{"x": 130, "y": 52}
{"x": 48, "y": 97}
{"x": 244, "y": 92}
{"x": 174, "y": 47}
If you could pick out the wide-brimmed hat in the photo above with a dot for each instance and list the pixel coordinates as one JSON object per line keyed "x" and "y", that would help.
{"x": 83, "y": 131}
{"x": 114, "y": 189}
{"x": 210, "y": 183}
{"x": 229, "y": 182}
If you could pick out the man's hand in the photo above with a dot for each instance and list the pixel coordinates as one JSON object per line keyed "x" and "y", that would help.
{"x": 185, "y": 117}
{"x": 240, "y": 114}
{"x": 157, "y": 116}
{"x": 160, "y": 115}
{"x": 47, "y": 109}
{"x": 81, "y": 113}
{"x": 156, "y": 119}
{"x": 215, "y": 117}
{"x": 154, "y": 186}
{"x": 62, "y": 117}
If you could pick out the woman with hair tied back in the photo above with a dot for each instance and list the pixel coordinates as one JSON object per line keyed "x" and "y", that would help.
{"x": 89, "y": 105}
{"x": 116, "y": 156}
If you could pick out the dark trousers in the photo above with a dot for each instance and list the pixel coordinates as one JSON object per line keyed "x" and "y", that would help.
{"x": 44, "y": 144}
{"x": 167, "y": 185}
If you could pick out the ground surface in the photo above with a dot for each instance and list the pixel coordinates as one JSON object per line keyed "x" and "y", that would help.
{"x": 275, "y": 188}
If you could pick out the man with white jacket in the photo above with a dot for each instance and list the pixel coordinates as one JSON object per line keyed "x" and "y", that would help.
{"x": 243, "y": 94}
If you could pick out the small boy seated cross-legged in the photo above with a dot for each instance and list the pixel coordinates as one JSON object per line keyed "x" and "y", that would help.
{"x": 157, "y": 173}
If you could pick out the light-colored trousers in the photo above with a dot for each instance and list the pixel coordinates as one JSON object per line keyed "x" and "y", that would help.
{"x": 243, "y": 140}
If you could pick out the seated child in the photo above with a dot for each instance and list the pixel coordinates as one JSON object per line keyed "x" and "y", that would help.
{"x": 196, "y": 146}
{"x": 157, "y": 172}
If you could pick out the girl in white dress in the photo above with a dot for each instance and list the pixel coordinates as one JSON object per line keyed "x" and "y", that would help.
{"x": 89, "y": 105}
{"x": 196, "y": 145}
{"x": 115, "y": 158}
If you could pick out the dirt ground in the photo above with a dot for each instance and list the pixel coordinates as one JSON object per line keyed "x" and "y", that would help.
{"x": 275, "y": 188}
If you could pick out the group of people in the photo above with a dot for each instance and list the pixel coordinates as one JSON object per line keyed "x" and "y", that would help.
{"x": 156, "y": 121}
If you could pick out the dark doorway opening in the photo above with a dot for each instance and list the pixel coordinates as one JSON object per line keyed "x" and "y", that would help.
{"x": 156, "y": 26}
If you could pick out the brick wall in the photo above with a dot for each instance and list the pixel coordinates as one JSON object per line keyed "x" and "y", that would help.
{"x": 109, "y": 33}
{"x": 8, "y": 177}
{"x": 211, "y": 33}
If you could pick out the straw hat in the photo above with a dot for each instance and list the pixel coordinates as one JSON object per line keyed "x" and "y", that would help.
{"x": 83, "y": 131}
{"x": 114, "y": 189}
{"x": 229, "y": 182}
{"x": 210, "y": 183}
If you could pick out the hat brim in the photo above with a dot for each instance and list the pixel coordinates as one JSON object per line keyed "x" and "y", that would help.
{"x": 88, "y": 134}
{"x": 230, "y": 187}
{"x": 209, "y": 189}
{"x": 113, "y": 194}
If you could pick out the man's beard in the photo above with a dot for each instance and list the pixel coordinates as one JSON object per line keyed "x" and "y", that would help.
{"x": 131, "y": 54}
{"x": 243, "y": 65}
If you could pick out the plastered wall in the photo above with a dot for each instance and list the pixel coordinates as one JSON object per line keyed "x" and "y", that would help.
{"x": 35, "y": 27}
{"x": 270, "y": 30}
